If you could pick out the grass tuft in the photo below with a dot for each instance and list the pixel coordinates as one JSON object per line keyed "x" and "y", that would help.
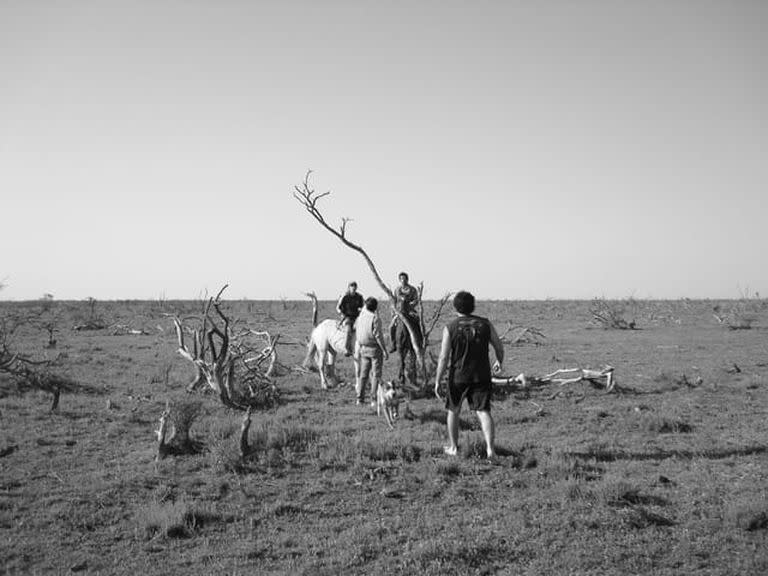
{"x": 618, "y": 493}
{"x": 665, "y": 425}
{"x": 179, "y": 519}
{"x": 750, "y": 516}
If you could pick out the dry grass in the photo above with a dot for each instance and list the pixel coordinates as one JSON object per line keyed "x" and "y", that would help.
{"x": 667, "y": 477}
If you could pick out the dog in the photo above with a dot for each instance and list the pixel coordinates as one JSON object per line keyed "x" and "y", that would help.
{"x": 388, "y": 399}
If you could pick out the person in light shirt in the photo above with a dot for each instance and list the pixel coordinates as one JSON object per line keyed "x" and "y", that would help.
{"x": 370, "y": 349}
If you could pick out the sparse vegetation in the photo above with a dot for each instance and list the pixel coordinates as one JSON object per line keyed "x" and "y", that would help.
{"x": 666, "y": 478}
{"x": 741, "y": 314}
{"x": 611, "y": 315}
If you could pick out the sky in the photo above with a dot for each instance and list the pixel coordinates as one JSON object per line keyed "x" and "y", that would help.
{"x": 515, "y": 149}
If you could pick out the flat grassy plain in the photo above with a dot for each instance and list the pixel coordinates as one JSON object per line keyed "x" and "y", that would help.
{"x": 667, "y": 476}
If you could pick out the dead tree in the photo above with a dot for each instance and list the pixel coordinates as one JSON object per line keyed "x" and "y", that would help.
{"x": 604, "y": 376}
{"x": 740, "y": 314}
{"x": 313, "y": 298}
{"x": 231, "y": 365}
{"x": 245, "y": 425}
{"x": 163, "y": 443}
{"x": 236, "y": 365}
{"x": 179, "y": 417}
{"x": 428, "y": 324}
{"x": 308, "y": 198}
{"x": 31, "y": 374}
{"x": 601, "y": 377}
{"x": 610, "y": 315}
{"x": 92, "y": 321}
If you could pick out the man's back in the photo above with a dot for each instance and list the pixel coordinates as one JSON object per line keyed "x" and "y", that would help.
{"x": 469, "y": 363}
{"x": 368, "y": 328}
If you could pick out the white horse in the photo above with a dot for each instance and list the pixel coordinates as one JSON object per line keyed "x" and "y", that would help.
{"x": 327, "y": 340}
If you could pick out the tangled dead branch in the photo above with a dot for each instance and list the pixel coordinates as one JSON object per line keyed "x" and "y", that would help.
{"x": 604, "y": 377}
{"x": 30, "y": 374}
{"x": 428, "y": 325}
{"x": 610, "y": 315}
{"x": 737, "y": 315}
{"x": 236, "y": 366}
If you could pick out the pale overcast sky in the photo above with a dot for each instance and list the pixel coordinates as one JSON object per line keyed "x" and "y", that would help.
{"x": 517, "y": 149}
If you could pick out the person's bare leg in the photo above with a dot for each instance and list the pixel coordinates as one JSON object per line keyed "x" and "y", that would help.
{"x": 489, "y": 432}
{"x": 453, "y": 433}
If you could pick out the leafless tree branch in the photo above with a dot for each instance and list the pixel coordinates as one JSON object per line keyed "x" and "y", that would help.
{"x": 308, "y": 198}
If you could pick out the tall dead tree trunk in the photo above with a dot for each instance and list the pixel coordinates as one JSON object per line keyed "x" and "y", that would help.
{"x": 428, "y": 325}
{"x": 308, "y": 198}
{"x": 313, "y": 298}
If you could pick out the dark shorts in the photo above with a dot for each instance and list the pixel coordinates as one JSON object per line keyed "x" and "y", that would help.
{"x": 478, "y": 396}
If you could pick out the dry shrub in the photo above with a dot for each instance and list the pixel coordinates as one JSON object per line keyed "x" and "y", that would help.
{"x": 183, "y": 415}
{"x": 740, "y": 314}
{"x": 223, "y": 448}
{"x": 294, "y": 438}
{"x": 611, "y": 315}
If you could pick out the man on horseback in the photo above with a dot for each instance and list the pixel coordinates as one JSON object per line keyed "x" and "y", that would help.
{"x": 348, "y": 307}
{"x": 407, "y": 300}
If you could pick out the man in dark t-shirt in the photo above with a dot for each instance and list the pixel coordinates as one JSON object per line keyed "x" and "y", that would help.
{"x": 348, "y": 307}
{"x": 464, "y": 353}
{"x": 406, "y": 301}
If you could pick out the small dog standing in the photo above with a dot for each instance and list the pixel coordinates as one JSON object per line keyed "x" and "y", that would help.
{"x": 388, "y": 399}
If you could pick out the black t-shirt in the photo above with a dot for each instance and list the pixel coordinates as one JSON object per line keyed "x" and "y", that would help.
{"x": 350, "y": 304}
{"x": 469, "y": 362}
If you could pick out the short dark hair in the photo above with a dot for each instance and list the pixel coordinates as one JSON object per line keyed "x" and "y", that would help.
{"x": 403, "y": 274}
{"x": 371, "y": 304}
{"x": 464, "y": 302}
{"x": 353, "y": 283}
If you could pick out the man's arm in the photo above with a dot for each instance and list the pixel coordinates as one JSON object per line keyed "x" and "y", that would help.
{"x": 445, "y": 346}
{"x": 498, "y": 349}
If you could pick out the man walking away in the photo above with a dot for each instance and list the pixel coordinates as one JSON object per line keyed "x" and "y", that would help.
{"x": 464, "y": 352}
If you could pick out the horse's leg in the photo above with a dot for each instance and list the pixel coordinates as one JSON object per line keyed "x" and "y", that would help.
{"x": 333, "y": 378}
{"x": 320, "y": 359}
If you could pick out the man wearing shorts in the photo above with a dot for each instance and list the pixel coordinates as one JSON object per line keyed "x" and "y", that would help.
{"x": 464, "y": 352}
